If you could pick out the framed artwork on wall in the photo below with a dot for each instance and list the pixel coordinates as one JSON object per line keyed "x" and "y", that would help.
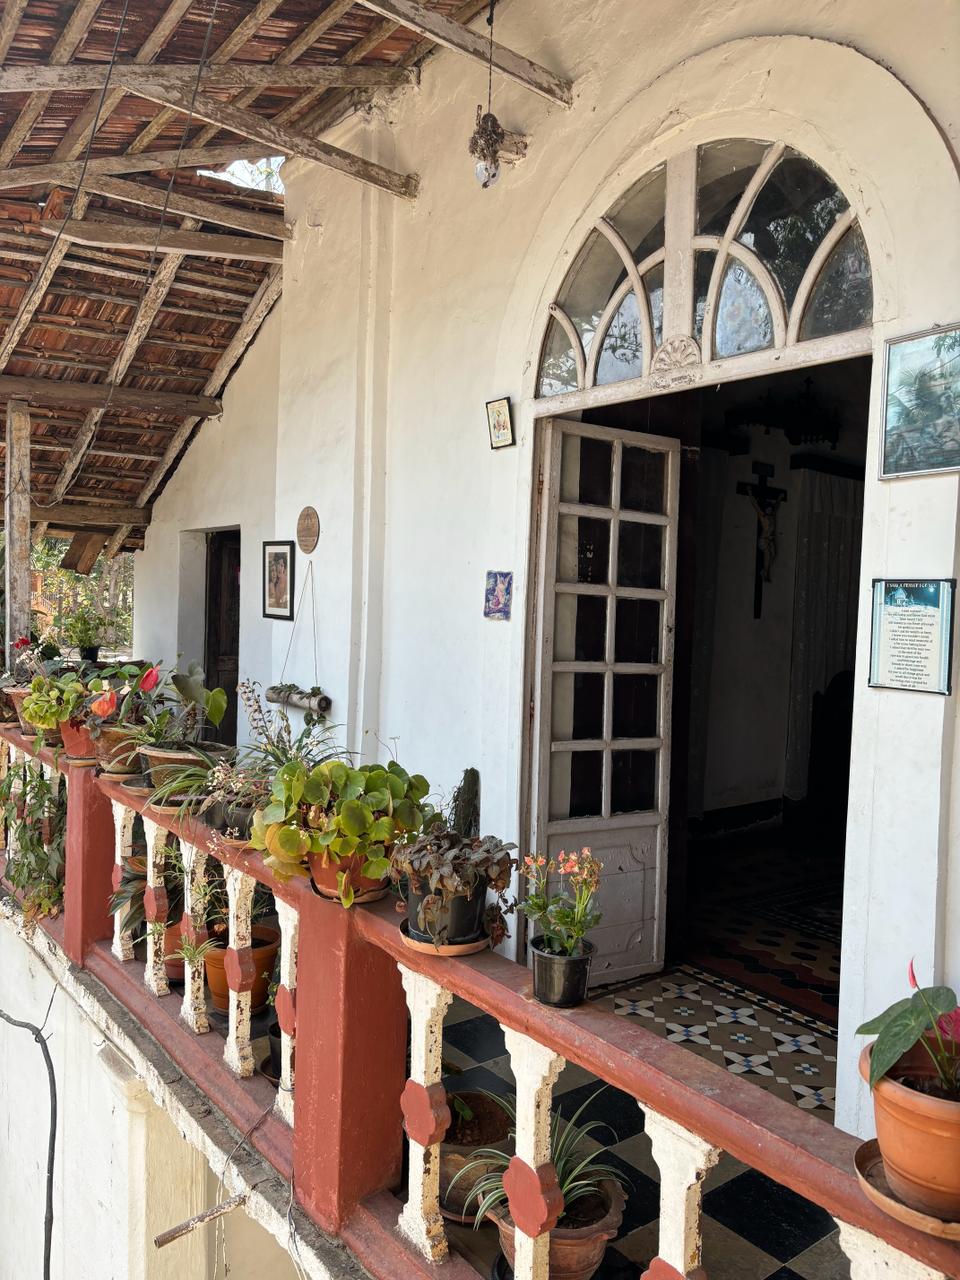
{"x": 911, "y": 637}
{"x": 921, "y": 403}
{"x": 278, "y": 570}
{"x": 500, "y": 423}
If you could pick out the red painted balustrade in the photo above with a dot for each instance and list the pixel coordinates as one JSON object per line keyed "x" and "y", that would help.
{"x": 346, "y": 1007}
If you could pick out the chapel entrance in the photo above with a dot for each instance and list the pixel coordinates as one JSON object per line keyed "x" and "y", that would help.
{"x": 222, "y": 641}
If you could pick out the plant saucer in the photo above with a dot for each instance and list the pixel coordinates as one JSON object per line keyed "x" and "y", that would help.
{"x": 873, "y": 1182}
{"x": 432, "y": 949}
{"x": 136, "y": 783}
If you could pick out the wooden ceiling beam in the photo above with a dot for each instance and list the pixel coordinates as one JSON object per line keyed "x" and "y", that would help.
{"x": 83, "y": 552}
{"x": 250, "y": 220}
{"x": 70, "y": 40}
{"x": 287, "y": 141}
{"x": 12, "y": 13}
{"x": 79, "y": 515}
{"x": 450, "y": 34}
{"x": 69, "y": 172}
{"x": 44, "y": 392}
{"x": 199, "y": 244}
{"x": 183, "y": 76}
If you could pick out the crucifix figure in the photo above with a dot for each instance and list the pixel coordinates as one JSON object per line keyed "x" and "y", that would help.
{"x": 766, "y": 501}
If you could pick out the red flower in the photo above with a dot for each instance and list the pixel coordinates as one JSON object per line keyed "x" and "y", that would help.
{"x": 912, "y": 976}
{"x": 949, "y": 1026}
{"x": 106, "y": 704}
{"x": 22, "y": 643}
{"x": 149, "y": 679}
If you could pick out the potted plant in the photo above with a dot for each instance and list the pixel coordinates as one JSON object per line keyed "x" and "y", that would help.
{"x": 561, "y": 952}
{"x": 56, "y": 705}
{"x": 913, "y": 1069}
{"x": 84, "y": 630}
{"x": 130, "y": 893}
{"x": 339, "y": 824}
{"x": 120, "y": 698}
{"x": 8, "y": 712}
{"x": 477, "y": 1120}
{"x": 445, "y": 878}
{"x": 32, "y": 658}
{"x": 234, "y": 792}
{"x": 211, "y": 905}
{"x": 171, "y": 733}
{"x": 593, "y": 1196}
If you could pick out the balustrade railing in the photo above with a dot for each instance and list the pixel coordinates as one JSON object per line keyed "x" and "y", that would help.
{"x": 352, "y": 1001}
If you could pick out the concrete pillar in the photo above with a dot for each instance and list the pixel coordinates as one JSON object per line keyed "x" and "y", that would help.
{"x": 17, "y": 518}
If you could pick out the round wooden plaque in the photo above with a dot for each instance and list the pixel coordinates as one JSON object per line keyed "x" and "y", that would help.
{"x": 308, "y": 530}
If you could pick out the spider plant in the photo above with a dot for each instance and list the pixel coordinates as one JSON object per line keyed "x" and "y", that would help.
{"x": 133, "y": 884}
{"x": 580, "y": 1172}
{"x": 187, "y": 785}
{"x": 195, "y": 952}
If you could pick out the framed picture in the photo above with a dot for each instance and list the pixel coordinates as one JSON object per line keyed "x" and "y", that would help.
{"x": 911, "y": 637}
{"x": 278, "y": 570}
{"x": 498, "y": 596}
{"x": 500, "y": 423}
{"x": 921, "y": 404}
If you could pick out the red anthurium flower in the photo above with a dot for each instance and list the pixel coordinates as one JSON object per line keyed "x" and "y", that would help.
{"x": 149, "y": 679}
{"x": 106, "y": 704}
{"x": 949, "y": 1026}
{"x": 911, "y": 974}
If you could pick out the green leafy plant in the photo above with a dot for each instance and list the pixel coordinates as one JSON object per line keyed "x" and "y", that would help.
{"x": 53, "y": 699}
{"x": 133, "y": 885}
{"x": 84, "y": 628}
{"x": 930, "y": 1017}
{"x": 566, "y": 916}
{"x": 580, "y": 1170}
{"x": 122, "y": 695}
{"x": 442, "y": 865}
{"x": 194, "y": 953}
{"x": 179, "y": 721}
{"x": 35, "y": 812}
{"x": 274, "y": 740}
{"x": 337, "y": 811}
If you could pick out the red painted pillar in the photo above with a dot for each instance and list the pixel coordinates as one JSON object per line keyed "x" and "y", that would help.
{"x": 89, "y": 864}
{"x": 351, "y": 1066}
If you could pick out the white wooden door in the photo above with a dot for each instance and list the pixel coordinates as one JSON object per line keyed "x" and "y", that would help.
{"x": 604, "y": 659}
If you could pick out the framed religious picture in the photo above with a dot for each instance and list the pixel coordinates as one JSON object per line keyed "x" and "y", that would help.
{"x": 498, "y": 596}
{"x": 500, "y": 423}
{"x": 278, "y": 570}
{"x": 911, "y": 637}
{"x": 921, "y": 404}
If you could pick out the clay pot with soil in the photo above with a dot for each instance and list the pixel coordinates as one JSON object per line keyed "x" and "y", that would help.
{"x": 77, "y": 743}
{"x": 173, "y": 964}
{"x": 327, "y": 883}
{"x": 577, "y": 1247}
{"x": 265, "y": 940}
{"x": 116, "y": 750}
{"x": 476, "y": 1121}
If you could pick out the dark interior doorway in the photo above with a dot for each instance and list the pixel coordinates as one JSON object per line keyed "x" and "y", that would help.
{"x": 770, "y": 518}
{"x": 222, "y": 664}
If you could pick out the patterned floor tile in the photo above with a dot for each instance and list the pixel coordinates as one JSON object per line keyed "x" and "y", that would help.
{"x": 726, "y": 1255}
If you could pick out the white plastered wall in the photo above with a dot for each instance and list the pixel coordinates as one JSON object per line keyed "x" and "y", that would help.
{"x": 226, "y": 480}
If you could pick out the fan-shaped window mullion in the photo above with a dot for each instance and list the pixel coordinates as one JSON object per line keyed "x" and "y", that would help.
{"x": 812, "y": 273}
{"x": 633, "y": 275}
{"x": 570, "y": 329}
{"x": 611, "y": 309}
{"x": 738, "y": 218}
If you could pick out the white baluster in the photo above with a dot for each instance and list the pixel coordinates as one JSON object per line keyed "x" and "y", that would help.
{"x": 420, "y": 1220}
{"x": 194, "y": 1008}
{"x": 18, "y": 764}
{"x": 155, "y": 975}
{"x": 5, "y": 751}
{"x": 285, "y": 1004}
{"x": 683, "y": 1160}
{"x": 240, "y": 968}
{"x": 535, "y": 1069}
{"x": 123, "y": 818}
{"x": 874, "y": 1259}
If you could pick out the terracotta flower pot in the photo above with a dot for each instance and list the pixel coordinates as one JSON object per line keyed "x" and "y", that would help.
{"x": 266, "y": 944}
{"x": 325, "y": 878}
{"x": 171, "y": 943}
{"x": 115, "y": 749}
{"x": 77, "y": 742}
{"x": 919, "y": 1137}
{"x": 575, "y": 1252}
{"x": 8, "y": 712}
{"x": 18, "y": 694}
{"x": 488, "y": 1126}
{"x": 162, "y": 763}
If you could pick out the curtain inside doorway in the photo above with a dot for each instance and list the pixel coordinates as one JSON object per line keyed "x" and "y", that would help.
{"x": 829, "y": 524}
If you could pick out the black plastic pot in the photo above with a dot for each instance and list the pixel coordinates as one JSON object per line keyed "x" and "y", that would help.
{"x": 560, "y": 980}
{"x": 90, "y": 652}
{"x": 273, "y": 1034}
{"x": 236, "y": 817}
{"x": 456, "y": 922}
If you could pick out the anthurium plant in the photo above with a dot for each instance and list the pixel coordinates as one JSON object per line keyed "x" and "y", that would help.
{"x": 122, "y": 695}
{"x": 176, "y": 711}
{"x": 337, "y": 811}
{"x": 930, "y": 1017}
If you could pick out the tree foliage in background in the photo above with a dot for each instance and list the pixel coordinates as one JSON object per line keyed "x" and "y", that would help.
{"x": 107, "y": 590}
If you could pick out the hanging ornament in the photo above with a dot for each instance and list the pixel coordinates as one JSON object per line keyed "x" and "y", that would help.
{"x": 488, "y": 136}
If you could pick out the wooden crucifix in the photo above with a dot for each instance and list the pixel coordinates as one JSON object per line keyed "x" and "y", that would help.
{"x": 766, "y": 501}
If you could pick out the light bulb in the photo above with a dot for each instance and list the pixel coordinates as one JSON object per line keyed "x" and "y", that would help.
{"x": 487, "y": 173}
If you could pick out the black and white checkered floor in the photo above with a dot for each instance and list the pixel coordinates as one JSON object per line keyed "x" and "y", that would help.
{"x": 753, "y": 1229}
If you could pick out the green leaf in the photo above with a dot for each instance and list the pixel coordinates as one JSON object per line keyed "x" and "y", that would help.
{"x": 876, "y": 1025}
{"x": 377, "y": 799}
{"x": 345, "y": 889}
{"x": 899, "y": 1035}
{"x": 215, "y": 705}
{"x": 338, "y": 773}
{"x": 940, "y": 1000}
{"x": 376, "y": 868}
{"x": 316, "y": 789}
{"x": 382, "y": 830}
{"x": 275, "y": 812}
{"x": 290, "y": 840}
{"x": 355, "y": 818}
{"x": 419, "y": 786}
{"x": 406, "y": 814}
{"x": 397, "y": 786}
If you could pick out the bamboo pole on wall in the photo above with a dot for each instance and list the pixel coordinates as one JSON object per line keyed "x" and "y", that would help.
{"x": 17, "y": 523}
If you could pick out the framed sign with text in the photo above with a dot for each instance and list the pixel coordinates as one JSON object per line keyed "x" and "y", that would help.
{"x": 911, "y": 637}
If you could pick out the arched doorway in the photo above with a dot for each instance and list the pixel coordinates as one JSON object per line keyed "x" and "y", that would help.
{"x": 684, "y": 347}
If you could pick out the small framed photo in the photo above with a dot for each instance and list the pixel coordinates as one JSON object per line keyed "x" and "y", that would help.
{"x": 278, "y": 570}
{"x": 911, "y": 637}
{"x": 500, "y": 423}
{"x": 921, "y": 404}
{"x": 498, "y": 596}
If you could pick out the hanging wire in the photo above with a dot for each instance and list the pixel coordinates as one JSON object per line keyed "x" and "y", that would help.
{"x": 490, "y": 58}
{"x": 307, "y": 581}
{"x": 150, "y": 272}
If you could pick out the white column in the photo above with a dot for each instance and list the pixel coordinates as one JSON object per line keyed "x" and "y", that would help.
{"x": 122, "y": 945}
{"x": 683, "y": 1160}
{"x": 17, "y": 525}
{"x": 155, "y": 975}
{"x": 874, "y": 1259}
{"x": 194, "y": 1008}
{"x": 289, "y": 918}
{"x": 535, "y": 1069}
{"x": 18, "y": 764}
{"x": 238, "y": 1052}
{"x": 420, "y": 1220}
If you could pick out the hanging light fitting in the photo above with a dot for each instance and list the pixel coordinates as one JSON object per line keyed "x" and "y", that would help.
{"x": 488, "y": 136}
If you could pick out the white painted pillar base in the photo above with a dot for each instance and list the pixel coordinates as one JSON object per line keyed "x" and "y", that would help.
{"x": 122, "y": 945}
{"x": 289, "y": 918}
{"x": 420, "y": 1220}
{"x": 193, "y": 1011}
{"x": 873, "y": 1259}
{"x": 683, "y": 1160}
{"x": 155, "y": 974}
{"x": 238, "y": 1051}
{"x": 535, "y": 1069}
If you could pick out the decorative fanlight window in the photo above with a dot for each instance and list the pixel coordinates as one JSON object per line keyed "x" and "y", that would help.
{"x": 755, "y": 246}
